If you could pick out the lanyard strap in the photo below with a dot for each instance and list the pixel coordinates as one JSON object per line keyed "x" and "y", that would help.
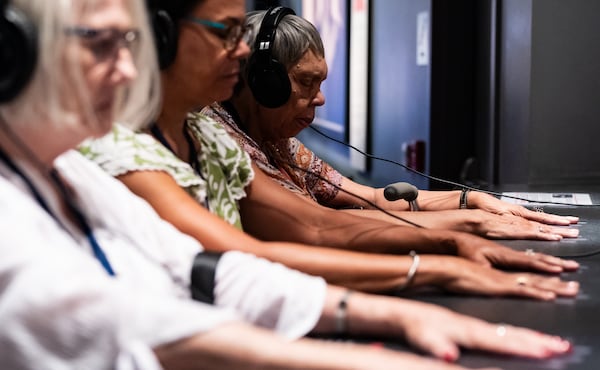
{"x": 80, "y": 218}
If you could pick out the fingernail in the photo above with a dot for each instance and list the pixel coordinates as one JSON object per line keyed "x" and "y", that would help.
{"x": 449, "y": 357}
{"x": 562, "y": 344}
{"x": 571, "y": 264}
{"x": 377, "y": 344}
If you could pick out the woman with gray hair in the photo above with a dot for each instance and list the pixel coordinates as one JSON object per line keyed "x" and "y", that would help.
{"x": 277, "y": 99}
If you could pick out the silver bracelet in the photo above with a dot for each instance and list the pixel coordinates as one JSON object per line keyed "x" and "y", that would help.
{"x": 341, "y": 314}
{"x": 463, "y": 199}
{"x": 412, "y": 271}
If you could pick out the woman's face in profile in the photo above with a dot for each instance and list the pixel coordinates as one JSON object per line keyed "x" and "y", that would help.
{"x": 105, "y": 38}
{"x": 298, "y": 112}
{"x": 205, "y": 69}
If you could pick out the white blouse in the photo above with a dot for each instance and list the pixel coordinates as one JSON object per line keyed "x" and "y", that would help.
{"x": 59, "y": 309}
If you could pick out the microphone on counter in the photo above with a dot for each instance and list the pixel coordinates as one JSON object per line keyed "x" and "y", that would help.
{"x": 402, "y": 190}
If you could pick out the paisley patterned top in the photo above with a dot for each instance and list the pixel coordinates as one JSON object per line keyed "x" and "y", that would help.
{"x": 224, "y": 168}
{"x": 286, "y": 161}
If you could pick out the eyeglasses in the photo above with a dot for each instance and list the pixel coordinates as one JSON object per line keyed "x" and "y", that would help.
{"x": 230, "y": 34}
{"x": 106, "y": 42}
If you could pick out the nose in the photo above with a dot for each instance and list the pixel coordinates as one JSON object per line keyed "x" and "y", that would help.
{"x": 242, "y": 50}
{"x": 125, "y": 69}
{"x": 319, "y": 99}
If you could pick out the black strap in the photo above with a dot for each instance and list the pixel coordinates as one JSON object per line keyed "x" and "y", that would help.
{"x": 203, "y": 276}
{"x": 193, "y": 157}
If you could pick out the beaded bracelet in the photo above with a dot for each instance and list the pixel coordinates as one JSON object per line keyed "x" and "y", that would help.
{"x": 463, "y": 199}
{"x": 412, "y": 271}
{"x": 341, "y": 314}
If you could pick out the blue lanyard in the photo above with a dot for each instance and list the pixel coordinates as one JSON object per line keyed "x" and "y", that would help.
{"x": 81, "y": 220}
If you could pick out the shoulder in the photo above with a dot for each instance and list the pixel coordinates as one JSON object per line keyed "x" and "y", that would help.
{"x": 214, "y": 137}
{"x": 123, "y": 151}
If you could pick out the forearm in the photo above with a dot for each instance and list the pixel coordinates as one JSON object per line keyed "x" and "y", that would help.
{"x": 340, "y": 229}
{"x": 439, "y": 200}
{"x": 456, "y": 220}
{"x": 427, "y": 200}
{"x": 232, "y": 346}
{"x": 238, "y": 346}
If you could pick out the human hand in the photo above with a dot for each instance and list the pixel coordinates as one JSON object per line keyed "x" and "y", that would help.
{"x": 441, "y": 332}
{"x": 492, "y": 204}
{"x": 461, "y": 276}
{"x": 509, "y": 226}
{"x": 489, "y": 253}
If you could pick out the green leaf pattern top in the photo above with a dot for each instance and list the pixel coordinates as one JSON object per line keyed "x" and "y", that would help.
{"x": 225, "y": 169}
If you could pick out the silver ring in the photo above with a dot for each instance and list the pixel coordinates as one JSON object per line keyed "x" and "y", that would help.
{"x": 522, "y": 281}
{"x": 501, "y": 330}
{"x": 529, "y": 252}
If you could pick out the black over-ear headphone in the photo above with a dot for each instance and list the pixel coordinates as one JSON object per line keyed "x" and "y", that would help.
{"x": 267, "y": 77}
{"x": 165, "y": 35}
{"x": 18, "y": 51}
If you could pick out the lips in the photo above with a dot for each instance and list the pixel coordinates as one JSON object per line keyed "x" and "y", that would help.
{"x": 305, "y": 121}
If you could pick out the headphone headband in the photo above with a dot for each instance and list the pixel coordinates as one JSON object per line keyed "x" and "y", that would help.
{"x": 267, "y": 77}
{"x": 268, "y": 28}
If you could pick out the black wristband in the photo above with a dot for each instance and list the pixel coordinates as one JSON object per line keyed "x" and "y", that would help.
{"x": 202, "y": 282}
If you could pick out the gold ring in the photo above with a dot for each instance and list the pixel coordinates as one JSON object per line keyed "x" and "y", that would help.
{"x": 522, "y": 281}
{"x": 529, "y": 252}
{"x": 501, "y": 330}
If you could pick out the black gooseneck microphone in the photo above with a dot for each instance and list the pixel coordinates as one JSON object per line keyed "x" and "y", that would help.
{"x": 440, "y": 180}
{"x": 402, "y": 190}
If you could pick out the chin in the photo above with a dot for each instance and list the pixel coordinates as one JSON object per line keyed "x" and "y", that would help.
{"x": 101, "y": 126}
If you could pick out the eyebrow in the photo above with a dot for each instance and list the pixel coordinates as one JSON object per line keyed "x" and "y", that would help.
{"x": 311, "y": 74}
{"x": 231, "y": 20}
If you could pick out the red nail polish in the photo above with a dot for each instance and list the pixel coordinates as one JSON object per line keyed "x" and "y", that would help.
{"x": 449, "y": 357}
{"x": 377, "y": 344}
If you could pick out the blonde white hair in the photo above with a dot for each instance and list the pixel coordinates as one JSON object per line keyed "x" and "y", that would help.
{"x": 57, "y": 73}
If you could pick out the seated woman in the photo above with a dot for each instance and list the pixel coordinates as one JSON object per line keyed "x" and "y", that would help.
{"x": 267, "y": 134}
{"x": 220, "y": 175}
{"x": 92, "y": 278}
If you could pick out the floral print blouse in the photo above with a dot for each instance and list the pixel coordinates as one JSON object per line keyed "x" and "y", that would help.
{"x": 274, "y": 159}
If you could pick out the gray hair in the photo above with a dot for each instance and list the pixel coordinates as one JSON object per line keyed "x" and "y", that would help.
{"x": 293, "y": 38}
{"x": 57, "y": 72}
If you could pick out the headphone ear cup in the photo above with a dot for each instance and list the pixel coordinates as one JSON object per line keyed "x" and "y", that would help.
{"x": 269, "y": 82}
{"x": 165, "y": 37}
{"x": 18, "y": 52}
